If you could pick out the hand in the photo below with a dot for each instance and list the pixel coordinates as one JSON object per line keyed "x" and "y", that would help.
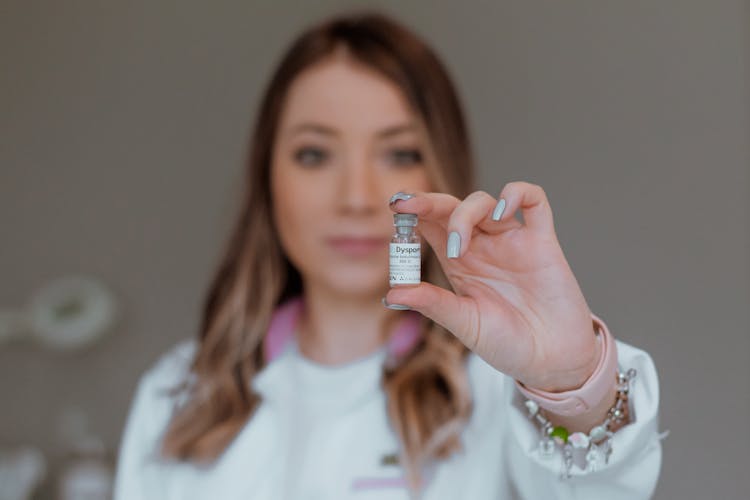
{"x": 516, "y": 303}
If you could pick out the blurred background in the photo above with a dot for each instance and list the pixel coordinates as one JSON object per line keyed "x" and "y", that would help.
{"x": 123, "y": 131}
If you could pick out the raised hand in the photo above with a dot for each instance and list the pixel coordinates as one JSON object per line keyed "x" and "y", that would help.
{"x": 517, "y": 303}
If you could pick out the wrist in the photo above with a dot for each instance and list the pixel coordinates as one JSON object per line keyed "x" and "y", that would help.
{"x": 575, "y": 380}
{"x": 596, "y": 387}
{"x": 583, "y": 422}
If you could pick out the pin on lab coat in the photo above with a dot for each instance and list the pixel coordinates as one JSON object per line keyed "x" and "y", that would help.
{"x": 321, "y": 432}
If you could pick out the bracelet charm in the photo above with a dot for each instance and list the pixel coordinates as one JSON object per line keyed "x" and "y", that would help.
{"x": 597, "y": 443}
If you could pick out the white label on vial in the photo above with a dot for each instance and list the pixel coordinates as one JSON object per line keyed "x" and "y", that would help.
{"x": 405, "y": 264}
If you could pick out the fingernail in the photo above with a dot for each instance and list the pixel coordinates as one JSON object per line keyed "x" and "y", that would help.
{"x": 396, "y": 307}
{"x": 400, "y": 196}
{"x": 454, "y": 245}
{"x": 499, "y": 209}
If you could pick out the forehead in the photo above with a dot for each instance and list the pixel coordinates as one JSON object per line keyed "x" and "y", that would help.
{"x": 347, "y": 95}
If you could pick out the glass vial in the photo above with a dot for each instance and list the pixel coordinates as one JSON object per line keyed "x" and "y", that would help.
{"x": 405, "y": 252}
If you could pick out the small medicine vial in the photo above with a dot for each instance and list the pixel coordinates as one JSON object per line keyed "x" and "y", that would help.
{"x": 405, "y": 252}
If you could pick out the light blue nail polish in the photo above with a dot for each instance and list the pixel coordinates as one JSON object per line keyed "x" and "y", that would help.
{"x": 395, "y": 307}
{"x": 400, "y": 196}
{"x": 499, "y": 209}
{"x": 454, "y": 245}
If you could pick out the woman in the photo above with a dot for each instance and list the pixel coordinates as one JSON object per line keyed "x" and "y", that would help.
{"x": 303, "y": 385}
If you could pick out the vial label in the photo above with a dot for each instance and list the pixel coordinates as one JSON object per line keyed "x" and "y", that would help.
{"x": 405, "y": 263}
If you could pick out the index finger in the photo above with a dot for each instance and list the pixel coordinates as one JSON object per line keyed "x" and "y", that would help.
{"x": 431, "y": 207}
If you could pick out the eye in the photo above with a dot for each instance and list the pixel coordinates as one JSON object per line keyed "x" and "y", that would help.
{"x": 405, "y": 157}
{"x": 310, "y": 156}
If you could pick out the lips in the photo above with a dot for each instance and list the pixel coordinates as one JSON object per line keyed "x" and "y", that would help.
{"x": 357, "y": 246}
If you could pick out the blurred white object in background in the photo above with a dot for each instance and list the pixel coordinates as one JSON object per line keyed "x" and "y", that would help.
{"x": 21, "y": 471}
{"x": 67, "y": 314}
{"x": 88, "y": 473}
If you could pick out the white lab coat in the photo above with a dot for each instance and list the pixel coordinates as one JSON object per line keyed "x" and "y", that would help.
{"x": 321, "y": 432}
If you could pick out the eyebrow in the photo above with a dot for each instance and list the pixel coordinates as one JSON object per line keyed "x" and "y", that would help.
{"x": 318, "y": 128}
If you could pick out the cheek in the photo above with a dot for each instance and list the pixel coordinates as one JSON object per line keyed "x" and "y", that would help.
{"x": 298, "y": 212}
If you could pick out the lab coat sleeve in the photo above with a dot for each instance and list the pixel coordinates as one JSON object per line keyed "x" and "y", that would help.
{"x": 635, "y": 462}
{"x": 137, "y": 473}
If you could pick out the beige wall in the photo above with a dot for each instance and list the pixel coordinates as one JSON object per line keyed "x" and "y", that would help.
{"x": 123, "y": 128}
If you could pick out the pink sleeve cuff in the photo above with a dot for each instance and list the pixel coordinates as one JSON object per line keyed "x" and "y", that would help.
{"x": 591, "y": 393}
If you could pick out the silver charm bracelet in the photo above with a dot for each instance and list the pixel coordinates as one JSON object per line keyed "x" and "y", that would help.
{"x": 597, "y": 444}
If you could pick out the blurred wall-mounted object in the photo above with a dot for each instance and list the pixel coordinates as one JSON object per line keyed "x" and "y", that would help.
{"x": 66, "y": 314}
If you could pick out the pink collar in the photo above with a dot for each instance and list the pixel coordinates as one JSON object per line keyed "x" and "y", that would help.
{"x": 285, "y": 317}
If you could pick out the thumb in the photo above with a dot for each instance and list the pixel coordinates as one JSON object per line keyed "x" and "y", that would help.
{"x": 457, "y": 314}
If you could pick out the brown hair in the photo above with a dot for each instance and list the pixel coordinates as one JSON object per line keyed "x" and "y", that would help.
{"x": 427, "y": 392}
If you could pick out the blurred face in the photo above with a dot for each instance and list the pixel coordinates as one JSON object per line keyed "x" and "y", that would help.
{"x": 347, "y": 141}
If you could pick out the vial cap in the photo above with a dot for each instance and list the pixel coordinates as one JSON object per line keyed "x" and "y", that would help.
{"x": 402, "y": 220}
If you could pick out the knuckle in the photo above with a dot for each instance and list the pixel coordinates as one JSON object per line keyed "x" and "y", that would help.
{"x": 529, "y": 187}
{"x": 471, "y": 200}
{"x": 513, "y": 187}
{"x": 476, "y": 200}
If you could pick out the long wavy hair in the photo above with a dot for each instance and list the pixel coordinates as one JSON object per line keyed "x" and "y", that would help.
{"x": 428, "y": 395}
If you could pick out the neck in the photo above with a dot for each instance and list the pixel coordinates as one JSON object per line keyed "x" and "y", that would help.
{"x": 336, "y": 329}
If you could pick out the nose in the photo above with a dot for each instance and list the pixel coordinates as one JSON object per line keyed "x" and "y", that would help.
{"x": 358, "y": 189}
